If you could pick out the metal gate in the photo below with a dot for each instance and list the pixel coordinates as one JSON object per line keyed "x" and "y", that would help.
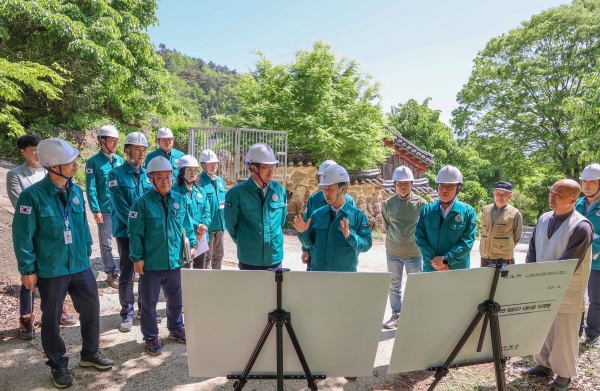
{"x": 231, "y": 146}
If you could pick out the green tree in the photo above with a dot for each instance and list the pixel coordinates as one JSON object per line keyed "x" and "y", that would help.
{"x": 112, "y": 66}
{"x": 327, "y": 105}
{"x": 522, "y": 82}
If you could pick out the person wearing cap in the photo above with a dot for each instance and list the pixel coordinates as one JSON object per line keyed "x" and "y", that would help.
{"x": 17, "y": 180}
{"x": 127, "y": 183}
{"x": 199, "y": 205}
{"x": 400, "y": 214}
{"x": 96, "y": 187}
{"x": 335, "y": 233}
{"x": 255, "y": 212}
{"x": 158, "y": 220}
{"x": 53, "y": 244}
{"x": 215, "y": 189}
{"x": 446, "y": 228}
{"x": 589, "y": 207}
{"x": 562, "y": 234}
{"x": 314, "y": 202}
{"x": 501, "y": 227}
{"x": 165, "y": 140}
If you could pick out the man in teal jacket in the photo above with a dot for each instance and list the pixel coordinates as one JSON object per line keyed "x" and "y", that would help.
{"x": 157, "y": 222}
{"x": 96, "y": 187}
{"x": 446, "y": 228}
{"x": 255, "y": 211}
{"x": 215, "y": 189}
{"x": 314, "y": 202}
{"x": 126, "y": 184}
{"x": 52, "y": 243}
{"x": 165, "y": 141}
{"x": 589, "y": 206}
{"x": 335, "y": 233}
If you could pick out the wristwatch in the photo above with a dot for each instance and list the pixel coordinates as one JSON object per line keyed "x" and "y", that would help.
{"x": 445, "y": 261}
{"x": 30, "y": 273}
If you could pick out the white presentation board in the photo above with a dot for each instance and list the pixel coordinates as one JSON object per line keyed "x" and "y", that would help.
{"x": 337, "y": 318}
{"x": 439, "y": 306}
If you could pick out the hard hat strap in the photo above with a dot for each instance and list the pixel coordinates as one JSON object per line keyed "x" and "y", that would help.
{"x": 104, "y": 138}
{"x": 403, "y": 197}
{"x": 257, "y": 165}
{"x": 597, "y": 191}
{"x": 453, "y": 198}
{"x": 68, "y": 178}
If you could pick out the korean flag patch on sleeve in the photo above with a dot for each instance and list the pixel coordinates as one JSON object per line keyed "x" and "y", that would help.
{"x": 26, "y": 210}
{"x": 133, "y": 215}
{"x": 89, "y": 170}
{"x": 112, "y": 183}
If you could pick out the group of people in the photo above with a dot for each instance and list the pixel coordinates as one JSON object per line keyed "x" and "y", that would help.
{"x": 153, "y": 204}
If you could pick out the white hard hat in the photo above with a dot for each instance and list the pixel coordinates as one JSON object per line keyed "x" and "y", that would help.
{"x": 334, "y": 174}
{"x": 449, "y": 174}
{"x": 187, "y": 161}
{"x": 136, "y": 138}
{"x": 591, "y": 172}
{"x": 159, "y": 163}
{"x": 54, "y": 152}
{"x": 324, "y": 165}
{"x": 261, "y": 153}
{"x": 403, "y": 173}
{"x": 108, "y": 131}
{"x": 208, "y": 156}
{"x": 164, "y": 133}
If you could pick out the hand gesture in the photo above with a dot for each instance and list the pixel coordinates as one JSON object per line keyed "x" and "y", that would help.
{"x": 438, "y": 263}
{"x": 345, "y": 227}
{"x": 300, "y": 225}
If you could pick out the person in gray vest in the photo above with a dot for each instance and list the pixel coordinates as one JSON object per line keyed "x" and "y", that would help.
{"x": 17, "y": 180}
{"x": 501, "y": 227}
{"x": 400, "y": 215}
{"x": 561, "y": 234}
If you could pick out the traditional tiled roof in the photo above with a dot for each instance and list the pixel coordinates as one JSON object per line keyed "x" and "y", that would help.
{"x": 410, "y": 148}
{"x": 420, "y": 186}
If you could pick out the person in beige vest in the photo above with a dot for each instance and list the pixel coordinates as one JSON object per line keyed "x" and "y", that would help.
{"x": 501, "y": 227}
{"x": 563, "y": 234}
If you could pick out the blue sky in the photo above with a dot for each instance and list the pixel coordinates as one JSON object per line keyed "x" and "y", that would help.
{"x": 415, "y": 49}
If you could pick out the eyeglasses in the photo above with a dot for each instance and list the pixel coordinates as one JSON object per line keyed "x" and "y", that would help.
{"x": 163, "y": 178}
{"x": 447, "y": 187}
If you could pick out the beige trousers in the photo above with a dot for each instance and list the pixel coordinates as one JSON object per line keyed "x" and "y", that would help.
{"x": 561, "y": 347}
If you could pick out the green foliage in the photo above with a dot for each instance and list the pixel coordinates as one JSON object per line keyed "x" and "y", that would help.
{"x": 586, "y": 127}
{"x": 516, "y": 103}
{"x": 474, "y": 194}
{"x": 325, "y": 103}
{"x": 103, "y": 46}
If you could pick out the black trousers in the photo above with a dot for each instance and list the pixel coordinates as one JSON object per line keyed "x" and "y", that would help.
{"x": 84, "y": 293}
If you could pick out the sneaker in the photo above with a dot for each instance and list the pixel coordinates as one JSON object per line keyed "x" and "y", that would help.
{"x": 138, "y": 316}
{"x": 136, "y": 277}
{"x": 126, "y": 325}
{"x": 61, "y": 376}
{"x": 153, "y": 346}
{"x": 178, "y": 335}
{"x": 538, "y": 370}
{"x": 26, "y": 327}
{"x": 592, "y": 342}
{"x": 113, "y": 279}
{"x": 560, "y": 384}
{"x": 66, "y": 319}
{"x": 96, "y": 360}
{"x": 392, "y": 323}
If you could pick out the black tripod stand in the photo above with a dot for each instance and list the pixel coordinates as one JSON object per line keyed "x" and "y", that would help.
{"x": 489, "y": 311}
{"x": 279, "y": 318}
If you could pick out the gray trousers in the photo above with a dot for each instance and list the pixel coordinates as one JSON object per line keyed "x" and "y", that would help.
{"x": 561, "y": 347}
{"x": 214, "y": 255}
{"x": 105, "y": 240}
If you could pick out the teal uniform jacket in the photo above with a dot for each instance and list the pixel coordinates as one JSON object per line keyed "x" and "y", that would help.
{"x": 155, "y": 238}
{"x": 331, "y": 250}
{"x": 256, "y": 227}
{"x": 125, "y": 186}
{"x": 199, "y": 206}
{"x": 215, "y": 191}
{"x": 96, "y": 181}
{"x": 451, "y": 238}
{"x": 594, "y": 218}
{"x": 38, "y": 231}
{"x": 316, "y": 201}
{"x": 172, "y": 157}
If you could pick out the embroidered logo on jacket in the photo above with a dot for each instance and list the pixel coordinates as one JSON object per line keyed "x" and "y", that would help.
{"x": 25, "y": 209}
{"x": 133, "y": 215}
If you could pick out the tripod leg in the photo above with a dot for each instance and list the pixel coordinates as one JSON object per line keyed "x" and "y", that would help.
{"x": 312, "y": 384}
{"x": 263, "y": 338}
{"x": 443, "y": 371}
{"x": 497, "y": 350}
{"x": 279, "y": 334}
{"x": 483, "y": 330}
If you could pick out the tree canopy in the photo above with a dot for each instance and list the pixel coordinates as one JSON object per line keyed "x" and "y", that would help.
{"x": 326, "y": 103}
{"x": 519, "y": 94}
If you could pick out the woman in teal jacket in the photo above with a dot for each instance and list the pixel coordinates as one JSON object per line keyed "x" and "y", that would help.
{"x": 199, "y": 204}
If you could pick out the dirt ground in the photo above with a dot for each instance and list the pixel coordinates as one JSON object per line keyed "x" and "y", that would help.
{"x": 22, "y": 362}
